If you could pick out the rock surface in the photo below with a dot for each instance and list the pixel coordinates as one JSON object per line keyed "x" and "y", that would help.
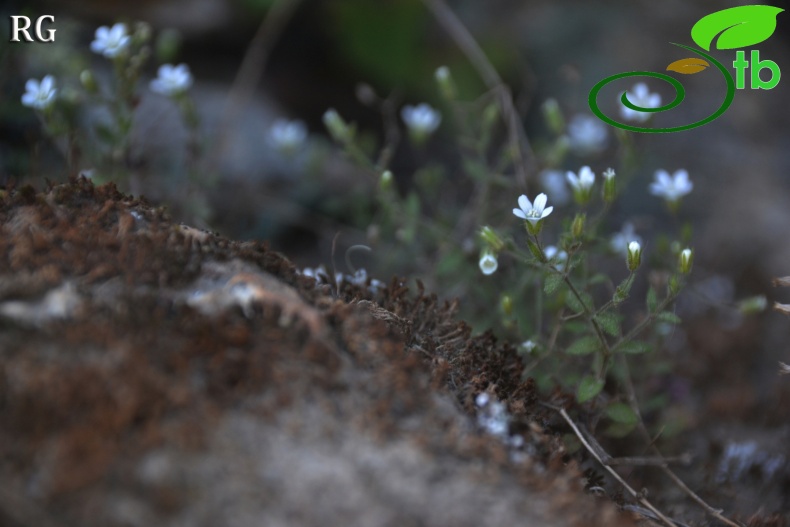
{"x": 154, "y": 374}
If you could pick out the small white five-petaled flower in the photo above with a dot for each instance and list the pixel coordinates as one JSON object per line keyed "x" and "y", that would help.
{"x": 422, "y": 119}
{"x": 488, "y": 263}
{"x": 533, "y": 212}
{"x": 172, "y": 80}
{"x": 673, "y": 187}
{"x": 583, "y": 182}
{"x": 111, "y": 42}
{"x": 40, "y": 95}
{"x": 640, "y": 96}
{"x": 287, "y": 136}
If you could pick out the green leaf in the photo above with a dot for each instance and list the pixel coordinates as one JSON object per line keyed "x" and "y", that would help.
{"x": 588, "y": 388}
{"x": 618, "y": 430}
{"x": 669, "y": 318}
{"x": 584, "y": 346}
{"x": 535, "y": 250}
{"x": 621, "y": 413}
{"x": 599, "y": 278}
{"x": 573, "y": 326}
{"x": 609, "y": 322}
{"x": 621, "y": 293}
{"x": 552, "y": 283}
{"x": 738, "y": 27}
{"x": 634, "y": 348}
{"x": 574, "y": 303}
{"x": 651, "y": 301}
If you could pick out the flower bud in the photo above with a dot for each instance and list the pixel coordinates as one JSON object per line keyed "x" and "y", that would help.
{"x": 492, "y": 239}
{"x": 385, "y": 182}
{"x": 634, "y": 256}
{"x": 686, "y": 260}
{"x": 609, "y": 186}
{"x": 337, "y": 127}
{"x": 507, "y": 305}
{"x": 488, "y": 263}
{"x": 753, "y": 305}
{"x": 445, "y": 82}
{"x": 577, "y": 227}
{"x": 553, "y": 116}
{"x": 88, "y": 81}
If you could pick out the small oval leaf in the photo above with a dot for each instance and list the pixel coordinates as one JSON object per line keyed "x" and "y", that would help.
{"x": 588, "y": 388}
{"x": 739, "y": 27}
{"x": 688, "y": 66}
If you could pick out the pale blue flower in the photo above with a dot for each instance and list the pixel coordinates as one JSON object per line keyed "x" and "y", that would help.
{"x": 640, "y": 96}
{"x": 172, "y": 80}
{"x": 287, "y": 136}
{"x": 111, "y": 42}
{"x": 587, "y": 135}
{"x": 422, "y": 119}
{"x": 40, "y": 95}
{"x": 673, "y": 187}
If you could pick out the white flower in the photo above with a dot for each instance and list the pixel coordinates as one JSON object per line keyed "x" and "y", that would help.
{"x": 40, "y": 95}
{"x": 111, "y": 42}
{"x": 529, "y": 345}
{"x": 608, "y": 174}
{"x": 619, "y": 242}
{"x": 533, "y": 213}
{"x": 584, "y": 181}
{"x": 671, "y": 188}
{"x": 421, "y": 119}
{"x": 172, "y": 80}
{"x": 562, "y": 257}
{"x": 640, "y": 96}
{"x": 587, "y": 135}
{"x": 287, "y": 136}
{"x": 488, "y": 263}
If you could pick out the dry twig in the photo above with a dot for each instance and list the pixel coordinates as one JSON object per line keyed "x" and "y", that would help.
{"x": 458, "y": 32}
{"x": 594, "y": 451}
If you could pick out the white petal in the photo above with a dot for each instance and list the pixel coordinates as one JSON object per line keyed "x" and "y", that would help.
{"x": 47, "y": 83}
{"x": 520, "y": 214}
{"x": 31, "y": 85}
{"x": 540, "y": 202}
{"x": 524, "y": 203}
{"x": 546, "y": 212}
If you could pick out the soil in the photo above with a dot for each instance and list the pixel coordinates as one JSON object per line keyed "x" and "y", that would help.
{"x": 155, "y": 374}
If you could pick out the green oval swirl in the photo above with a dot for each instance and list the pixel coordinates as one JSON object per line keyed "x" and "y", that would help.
{"x": 679, "y": 96}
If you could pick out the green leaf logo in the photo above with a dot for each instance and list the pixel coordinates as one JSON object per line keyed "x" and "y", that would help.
{"x": 739, "y": 27}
